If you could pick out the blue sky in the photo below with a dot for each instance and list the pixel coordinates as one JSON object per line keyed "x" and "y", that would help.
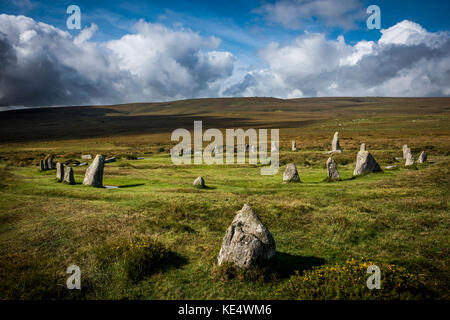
{"x": 257, "y": 40}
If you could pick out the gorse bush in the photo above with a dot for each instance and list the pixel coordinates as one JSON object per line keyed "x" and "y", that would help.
{"x": 138, "y": 257}
{"x": 349, "y": 281}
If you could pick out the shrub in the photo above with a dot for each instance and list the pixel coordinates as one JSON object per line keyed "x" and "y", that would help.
{"x": 138, "y": 257}
{"x": 348, "y": 281}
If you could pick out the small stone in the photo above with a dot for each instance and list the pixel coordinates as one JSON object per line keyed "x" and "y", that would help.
{"x": 333, "y": 173}
{"x": 86, "y": 157}
{"x": 83, "y": 164}
{"x": 291, "y": 174}
{"x": 60, "y": 171}
{"x": 247, "y": 242}
{"x": 294, "y": 146}
{"x": 112, "y": 159}
{"x": 94, "y": 173}
{"x": 253, "y": 149}
{"x": 199, "y": 182}
{"x": 422, "y": 157}
{"x": 68, "y": 175}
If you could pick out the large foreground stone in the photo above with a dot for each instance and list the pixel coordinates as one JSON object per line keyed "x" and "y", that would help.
{"x": 333, "y": 173}
{"x": 422, "y": 157}
{"x": 365, "y": 162}
{"x": 60, "y": 171}
{"x": 247, "y": 241}
{"x": 291, "y": 174}
{"x": 68, "y": 175}
{"x": 94, "y": 173}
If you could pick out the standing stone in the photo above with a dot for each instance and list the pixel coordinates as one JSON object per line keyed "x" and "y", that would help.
{"x": 253, "y": 149}
{"x": 86, "y": 157}
{"x": 199, "y": 182}
{"x": 405, "y": 149}
{"x": 247, "y": 242}
{"x": 68, "y": 175}
{"x": 291, "y": 174}
{"x": 363, "y": 147}
{"x": 365, "y": 162}
{"x": 333, "y": 173}
{"x": 335, "y": 146}
{"x": 294, "y": 146}
{"x": 41, "y": 165}
{"x": 94, "y": 173}
{"x": 422, "y": 157}
{"x": 45, "y": 164}
{"x": 49, "y": 161}
{"x": 409, "y": 158}
{"x": 60, "y": 171}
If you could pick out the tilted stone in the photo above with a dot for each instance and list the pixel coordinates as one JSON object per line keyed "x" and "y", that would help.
{"x": 291, "y": 174}
{"x": 94, "y": 173}
{"x": 247, "y": 242}
{"x": 68, "y": 175}
{"x": 422, "y": 157}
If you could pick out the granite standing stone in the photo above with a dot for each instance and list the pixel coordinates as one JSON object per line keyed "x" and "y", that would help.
{"x": 291, "y": 174}
{"x": 199, "y": 182}
{"x": 333, "y": 173}
{"x": 422, "y": 157}
{"x": 294, "y": 146}
{"x": 60, "y": 171}
{"x": 365, "y": 162}
{"x": 68, "y": 175}
{"x": 247, "y": 242}
{"x": 94, "y": 173}
{"x": 335, "y": 146}
{"x": 409, "y": 157}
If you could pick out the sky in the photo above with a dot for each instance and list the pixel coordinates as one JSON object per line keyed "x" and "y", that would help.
{"x": 145, "y": 51}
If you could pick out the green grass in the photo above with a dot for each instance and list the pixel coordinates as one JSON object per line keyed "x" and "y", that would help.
{"x": 397, "y": 216}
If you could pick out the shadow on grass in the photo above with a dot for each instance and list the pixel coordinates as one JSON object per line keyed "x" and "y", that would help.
{"x": 205, "y": 188}
{"x": 285, "y": 264}
{"x": 132, "y": 185}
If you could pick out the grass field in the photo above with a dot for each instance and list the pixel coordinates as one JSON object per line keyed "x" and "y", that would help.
{"x": 398, "y": 216}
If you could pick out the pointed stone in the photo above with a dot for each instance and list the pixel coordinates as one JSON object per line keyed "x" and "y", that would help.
{"x": 94, "y": 173}
{"x": 291, "y": 174}
{"x": 422, "y": 157}
{"x": 365, "y": 163}
{"x": 68, "y": 175}
{"x": 60, "y": 171}
{"x": 409, "y": 157}
{"x": 294, "y": 146}
{"x": 199, "y": 182}
{"x": 247, "y": 242}
{"x": 335, "y": 146}
{"x": 363, "y": 147}
{"x": 333, "y": 173}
